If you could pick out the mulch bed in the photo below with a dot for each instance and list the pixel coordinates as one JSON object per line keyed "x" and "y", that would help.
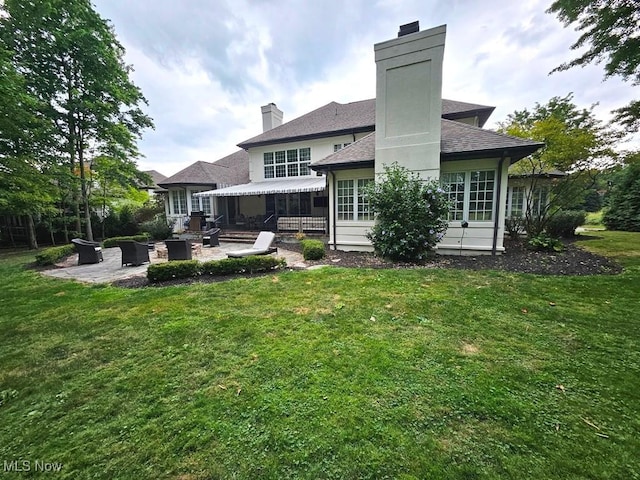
{"x": 519, "y": 259}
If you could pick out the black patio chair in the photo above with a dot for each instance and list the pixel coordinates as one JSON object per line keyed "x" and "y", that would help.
{"x": 134, "y": 253}
{"x": 88, "y": 252}
{"x": 178, "y": 249}
{"x": 210, "y": 238}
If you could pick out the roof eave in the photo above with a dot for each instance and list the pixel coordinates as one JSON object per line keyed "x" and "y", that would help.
{"x": 343, "y": 166}
{"x": 514, "y": 153}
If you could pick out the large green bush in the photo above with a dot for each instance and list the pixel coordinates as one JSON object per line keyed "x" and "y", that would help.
{"x": 312, "y": 249}
{"x": 51, "y": 255}
{"x": 623, "y": 212}
{"x": 158, "y": 228}
{"x": 564, "y": 223}
{"x": 411, "y": 214}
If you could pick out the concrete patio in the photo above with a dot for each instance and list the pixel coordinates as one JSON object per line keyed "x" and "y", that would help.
{"x": 111, "y": 269}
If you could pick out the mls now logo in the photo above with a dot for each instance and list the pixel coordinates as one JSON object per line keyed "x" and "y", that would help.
{"x": 28, "y": 466}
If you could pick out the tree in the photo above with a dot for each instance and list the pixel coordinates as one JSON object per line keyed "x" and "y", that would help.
{"x": 623, "y": 212}
{"x": 411, "y": 214}
{"x": 576, "y": 143}
{"x": 74, "y": 67}
{"x": 610, "y": 29}
{"x": 25, "y": 189}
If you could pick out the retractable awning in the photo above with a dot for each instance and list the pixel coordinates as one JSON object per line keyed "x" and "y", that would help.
{"x": 288, "y": 185}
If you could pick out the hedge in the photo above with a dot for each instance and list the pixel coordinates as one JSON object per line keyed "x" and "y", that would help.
{"x": 160, "y": 272}
{"x": 564, "y": 223}
{"x": 113, "y": 241}
{"x": 51, "y": 255}
{"x": 312, "y": 249}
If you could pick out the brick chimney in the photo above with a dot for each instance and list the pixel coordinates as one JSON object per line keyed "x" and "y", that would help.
{"x": 271, "y": 117}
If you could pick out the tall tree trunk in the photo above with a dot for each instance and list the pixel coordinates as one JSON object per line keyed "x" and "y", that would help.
{"x": 31, "y": 232}
{"x": 83, "y": 189}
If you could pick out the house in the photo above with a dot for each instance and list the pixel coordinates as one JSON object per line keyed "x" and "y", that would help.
{"x": 307, "y": 174}
{"x": 181, "y": 201}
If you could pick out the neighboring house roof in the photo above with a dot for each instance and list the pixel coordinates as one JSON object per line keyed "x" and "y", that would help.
{"x": 458, "y": 141}
{"x": 230, "y": 170}
{"x": 336, "y": 119}
{"x": 156, "y": 178}
{"x": 552, "y": 173}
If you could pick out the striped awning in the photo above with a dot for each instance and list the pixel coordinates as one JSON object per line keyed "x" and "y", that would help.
{"x": 284, "y": 185}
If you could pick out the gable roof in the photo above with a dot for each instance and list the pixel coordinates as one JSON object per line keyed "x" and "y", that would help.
{"x": 336, "y": 119}
{"x": 328, "y": 121}
{"x": 230, "y": 170}
{"x": 459, "y": 141}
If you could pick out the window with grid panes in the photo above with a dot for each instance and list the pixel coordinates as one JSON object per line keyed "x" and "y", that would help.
{"x": 516, "y": 206}
{"x": 364, "y": 210}
{"x": 481, "y": 186}
{"x": 471, "y": 194}
{"x": 454, "y": 185}
{"x": 345, "y": 200}
{"x": 287, "y": 163}
{"x": 179, "y": 202}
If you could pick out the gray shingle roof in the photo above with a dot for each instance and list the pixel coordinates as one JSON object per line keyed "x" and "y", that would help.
{"x": 336, "y": 118}
{"x": 156, "y": 178}
{"x": 230, "y": 170}
{"x": 330, "y": 120}
{"x": 458, "y": 141}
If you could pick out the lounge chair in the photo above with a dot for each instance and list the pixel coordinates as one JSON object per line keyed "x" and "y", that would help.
{"x": 178, "y": 249}
{"x": 210, "y": 238}
{"x": 134, "y": 253}
{"x": 88, "y": 252}
{"x": 262, "y": 246}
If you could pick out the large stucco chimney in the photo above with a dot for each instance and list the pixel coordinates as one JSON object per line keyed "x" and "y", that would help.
{"x": 409, "y": 100}
{"x": 271, "y": 117}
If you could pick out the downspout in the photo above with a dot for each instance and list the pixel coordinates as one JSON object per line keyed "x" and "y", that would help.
{"x": 335, "y": 207}
{"x": 496, "y": 223}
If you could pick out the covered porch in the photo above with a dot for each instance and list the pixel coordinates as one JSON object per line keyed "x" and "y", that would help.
{"x": 279, "y": 205}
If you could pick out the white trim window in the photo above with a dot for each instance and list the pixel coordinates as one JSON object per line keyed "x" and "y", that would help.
{"x": 287, "y": 163}
{"x": 516, "y": 201}
{"x": 340, "y": 146}
{"x": 539, "y": 199}
{"x": 352, "y": 204}
{"x": 178, "y": 202}
{"x": 471, "y": 194}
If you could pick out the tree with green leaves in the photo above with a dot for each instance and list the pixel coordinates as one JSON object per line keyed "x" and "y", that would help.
{"x": 73, "y": 65}
{"x": 411, "y": 214}
{"x": 610, "y": 31}
{"x": 25, "y": 160}
{"x": 576, "y": 145}
{"x": 623, "y": 210}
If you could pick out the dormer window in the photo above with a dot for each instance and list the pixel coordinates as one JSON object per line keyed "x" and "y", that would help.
{"x": 287, "y": 163}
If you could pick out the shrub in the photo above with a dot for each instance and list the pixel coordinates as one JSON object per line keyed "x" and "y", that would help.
{"x": 51, "y": 255}
{"x": 312, "y": 249}
{"x": 564, "y": 223}
{"x": 543, "y": 242}
{"x": 514, "y": 226}
{"x": 160, "y": 272}
{"x": 251, "y": 264}
{"x": 113, "y": 241}
{"x": 411, "y": 214}
{"x": 594, "y": 218}
{"x": 158, "y": 228}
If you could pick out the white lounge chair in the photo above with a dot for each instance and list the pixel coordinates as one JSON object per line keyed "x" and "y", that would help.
{"x": 262, "y": 246}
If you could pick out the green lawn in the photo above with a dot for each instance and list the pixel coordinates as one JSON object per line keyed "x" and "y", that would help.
{"x": 334, "y": 373}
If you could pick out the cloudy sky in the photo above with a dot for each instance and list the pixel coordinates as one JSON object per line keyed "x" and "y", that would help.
{"x": 206, "y": 66}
